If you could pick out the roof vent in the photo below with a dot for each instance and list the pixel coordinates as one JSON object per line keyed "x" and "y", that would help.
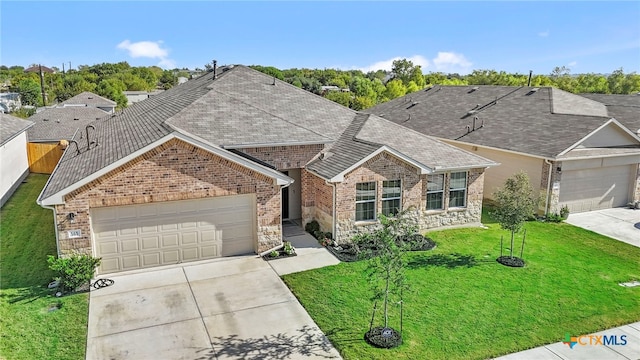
{"x": 473, "y": 89}
{"x": 533, "y": 91}
{"x": 76, "y": 119}
{"x": 90, "y": 97}
{"x": 45, "y": 119}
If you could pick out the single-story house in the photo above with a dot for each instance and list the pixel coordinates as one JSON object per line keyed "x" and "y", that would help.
{"x": 54, "y": 128}
{"x": 578, "y": 152}
{"x": 212, "y": 167}
{"x": 13, "y": 154}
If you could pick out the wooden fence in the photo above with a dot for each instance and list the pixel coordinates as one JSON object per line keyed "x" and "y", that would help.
{"x": 43, "y": 157}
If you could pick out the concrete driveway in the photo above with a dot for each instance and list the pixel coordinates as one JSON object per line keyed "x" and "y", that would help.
{"x": 232, "y": 308}
{"x": 618, "y": 223}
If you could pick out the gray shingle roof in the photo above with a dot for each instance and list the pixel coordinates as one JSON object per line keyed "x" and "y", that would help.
{"x": 89, "y": 98}
{"x": 55, "y": 124}
{"x": 243, "y": 107}
{"x": 11, "y": 126}
{"x": 240, "y": 107}
{"x": 624, "y": 108}
{"x": 368, "y": 133}
{"x": 506, "y": 117}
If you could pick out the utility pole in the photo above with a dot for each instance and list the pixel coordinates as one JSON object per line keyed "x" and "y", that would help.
{"x": 44, "y": 95}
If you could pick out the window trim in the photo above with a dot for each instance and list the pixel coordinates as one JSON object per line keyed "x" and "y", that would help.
{"x": 441, "y": 191}
{"x": 399, "y": 197}
{"x": 466, "y": 185}
{"x": 374, "y": 201}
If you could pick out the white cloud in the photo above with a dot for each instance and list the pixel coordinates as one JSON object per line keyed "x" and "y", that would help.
{"x": 387, "y": 64}
{"x": 450, "y": 62}
{"x": 543, "y": 33}
{"x": 148, "y": 49}
{"x": 572, "y": 64}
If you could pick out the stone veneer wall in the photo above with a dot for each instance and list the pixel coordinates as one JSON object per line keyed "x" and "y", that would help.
{"x": 172, "y": 171}
{"x": 388, "y": 167}
{"x": 285, "y": 157}
{"x": 317, "y": 201}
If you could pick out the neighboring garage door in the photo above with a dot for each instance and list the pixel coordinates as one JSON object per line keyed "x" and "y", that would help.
{"x": 593, "y": 189}
{"x": 141, "y": 236}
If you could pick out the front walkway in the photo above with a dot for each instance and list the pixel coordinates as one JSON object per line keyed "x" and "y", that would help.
{"x": 618, "y": 223}
{"x": 629, "y": 335}
{"x": 311, "y": 255}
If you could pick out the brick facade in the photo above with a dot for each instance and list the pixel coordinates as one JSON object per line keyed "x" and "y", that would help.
{"x": 387, "y": 167}
{"x": 317, "y": 201}
{"x": 172, "y": 171}
{"x": 285, "y": 157}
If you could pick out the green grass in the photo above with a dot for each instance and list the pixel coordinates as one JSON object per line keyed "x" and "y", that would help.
{"x": 464, "y": 305}
{"x": 28, "y": 329}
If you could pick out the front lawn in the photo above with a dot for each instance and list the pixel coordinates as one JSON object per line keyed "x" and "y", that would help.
{"x": 464, "y": 305}
{"x": 29, "y": 329}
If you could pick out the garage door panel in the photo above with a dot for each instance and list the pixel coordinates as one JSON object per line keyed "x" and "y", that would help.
{"x": 190, "y": 254}
{"x": 129, "y": 245}
{"x": 108, "y": 247}
{"x": 169, "y": 240}
{"x": 145, "y": 235}
{"x": 210, "y": 251}
{"x": 171, "y": 256}
{"x": 130, "y": 262}
{"x": 190, "y": 238}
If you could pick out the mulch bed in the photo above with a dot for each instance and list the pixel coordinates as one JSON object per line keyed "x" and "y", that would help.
{"x": 511, "y": 261}
{"x": 281, "y": 255}
{"x": 383, "y": 337}
{"x": 350, "y": 252}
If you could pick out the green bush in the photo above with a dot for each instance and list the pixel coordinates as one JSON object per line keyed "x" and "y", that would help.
{"x": 312, "y": 228}
{"x": 73, "y": 271}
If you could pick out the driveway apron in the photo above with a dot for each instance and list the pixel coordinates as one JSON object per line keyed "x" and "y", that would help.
{"x": 618, "y": 223}
{"x": 232, "y": 308}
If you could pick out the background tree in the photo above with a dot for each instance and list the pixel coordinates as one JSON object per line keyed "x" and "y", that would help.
{"x": 113, "y": 89}
{"x": 394, "y": 89}
{"x": 515, "y": 203}
{"x": 30, "y": 91}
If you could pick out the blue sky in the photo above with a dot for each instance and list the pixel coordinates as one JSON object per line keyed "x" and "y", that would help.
{"x": 454, "y": 36}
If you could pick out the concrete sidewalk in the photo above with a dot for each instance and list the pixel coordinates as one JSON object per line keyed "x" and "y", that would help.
{"x": 584, "y": 351}
{"x": 616, "y": 223}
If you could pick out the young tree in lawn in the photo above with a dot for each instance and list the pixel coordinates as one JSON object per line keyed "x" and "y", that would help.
{"x": 515, "y": 203}
{"x": 386, "y": 268}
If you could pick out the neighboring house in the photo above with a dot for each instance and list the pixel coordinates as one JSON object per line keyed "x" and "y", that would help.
{"x": 137, "y": 96}
{"x": 214, "y": 166}
{"x": 89, "y": 99}
{"x": 52, "y": 126}
{"x": 14, "y": 166}
{"x": 38, "y": 68}
{"x": 578, "y": 152}
{"x": 10, "y": 102}
{"x": 624, "y": 108}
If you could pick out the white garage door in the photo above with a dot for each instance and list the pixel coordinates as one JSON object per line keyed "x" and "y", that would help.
{"x": 140, "y": 236}
{"x": 593, "y": 189}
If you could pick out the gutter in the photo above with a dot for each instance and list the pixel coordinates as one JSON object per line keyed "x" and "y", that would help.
{"x": 55, "y": 225}
{"x": 334, "y": 207}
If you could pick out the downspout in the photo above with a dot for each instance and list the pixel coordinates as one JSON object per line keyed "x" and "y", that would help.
{"x": 548, "y": 196}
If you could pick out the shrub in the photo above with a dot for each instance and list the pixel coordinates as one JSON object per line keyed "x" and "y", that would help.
{"x": 564, "y": 212}
{"x": 312, "y": 227}
{"x": 288, "y": 248}
{"x": 274, "y": 253}
{"x": 73, "y": 271}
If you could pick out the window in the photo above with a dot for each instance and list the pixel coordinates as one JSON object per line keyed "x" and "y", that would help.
{"x": 435, "y": 192}
{"x": 458, "y": 189}
{"x": 391, "y": 197}
{"x": 366, "y": 201}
